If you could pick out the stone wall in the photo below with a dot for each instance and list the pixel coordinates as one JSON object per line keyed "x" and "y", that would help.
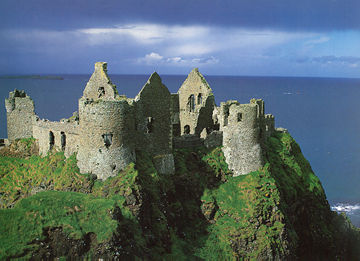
{"x": 109, "y": 128}
{"x": 99, "y": 85}
{"x": 106, "y": 136}
{"x": 59, "y": 136}
{"x": 175, "y": 117}
{"x": 106, "y": 127}
{"x": 196, "y": 104}
{"x": 153, "y": 117}
{"x": 241, "y": 137}
{"x": 19, "y": 111}
{"x": 188, "y": 141}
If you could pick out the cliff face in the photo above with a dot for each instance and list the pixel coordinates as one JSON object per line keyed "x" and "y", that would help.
{"x": 200, "y": 212}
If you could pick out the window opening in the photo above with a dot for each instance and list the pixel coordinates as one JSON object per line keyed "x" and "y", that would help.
{"x": 149, "y": 124}
{"x": 107, "y": 139}
{"x": 63, "y": 140}
{"x": 51, "y": 140}
{"x": 101, "y": 92}
{"x": 199, "y": 99}
{"x": 186, "y": 129}
{"x": 226, "y": 117}
{"x": 239, "y": 116}
{"x": 191, "y": 102}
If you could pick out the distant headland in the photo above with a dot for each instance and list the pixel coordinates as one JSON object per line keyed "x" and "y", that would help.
{"x": 32, "y": 77}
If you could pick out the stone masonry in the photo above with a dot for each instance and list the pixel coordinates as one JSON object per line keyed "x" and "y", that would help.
{"x": 19, "y": 111}
{"x": 110, "y": 128}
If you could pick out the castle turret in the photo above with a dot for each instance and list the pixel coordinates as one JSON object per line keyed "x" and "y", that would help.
{"x": 196, "y": 102}
{"x": 107, "y": 125}
{"x": 241, "y": 136}
{"x": 19, "y": 112}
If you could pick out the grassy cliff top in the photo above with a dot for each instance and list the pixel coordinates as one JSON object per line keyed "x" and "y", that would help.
{"x": 201, "y": 212}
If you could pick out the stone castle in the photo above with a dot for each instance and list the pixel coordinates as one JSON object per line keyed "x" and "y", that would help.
{"x": 109, "y": 128}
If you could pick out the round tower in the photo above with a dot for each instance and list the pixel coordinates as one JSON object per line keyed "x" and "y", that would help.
{"x": 241, "y": 137}
{"x": 106, "y": 121}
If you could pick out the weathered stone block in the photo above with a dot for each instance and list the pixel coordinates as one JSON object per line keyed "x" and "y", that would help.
{"x": 164, "y": 164}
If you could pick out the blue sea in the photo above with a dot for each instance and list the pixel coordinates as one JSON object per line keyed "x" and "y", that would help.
{"x": 322, "y": 114}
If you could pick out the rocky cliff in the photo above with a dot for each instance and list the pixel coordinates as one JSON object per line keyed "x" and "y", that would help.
{"x": 201, "y": 212}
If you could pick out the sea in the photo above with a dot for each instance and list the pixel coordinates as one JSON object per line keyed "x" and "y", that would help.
{"x": 322, "y": 114}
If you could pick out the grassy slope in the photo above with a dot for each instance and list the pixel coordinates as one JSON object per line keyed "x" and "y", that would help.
{"x": 201, "y": 212}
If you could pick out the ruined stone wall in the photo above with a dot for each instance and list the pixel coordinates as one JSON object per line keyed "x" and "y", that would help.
{"x": 100, "y": 86}
{"x": 106, "y": 142}
{"x": 153, "y": 117}
{"x": 58, "y": 136}
{"x": 19, "y": 112}
{"x": 175, "y": 117}
{"x": 106, "y": 127}
{"x": 266, "y": 121}
{"x": 241, "y": 137}
{"x": 196, "y": 104}
{"x": 269, "y": 124}
{"x": 154, "y": 114}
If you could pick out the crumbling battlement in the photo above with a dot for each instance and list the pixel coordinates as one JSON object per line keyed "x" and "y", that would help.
{"x": 109, "y": 128}
{"x": 19, "y": 111}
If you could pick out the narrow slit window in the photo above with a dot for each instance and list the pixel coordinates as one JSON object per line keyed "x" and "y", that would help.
{"x": 63, "y": 141}
{"x": 199, "y": 99}
{"x": 226, "y": 117}
{"x": 51, "y": 140}
{"x": 107, "y": 139}
{"x": 239, "y": 116}
{"x": 149, "y": 125}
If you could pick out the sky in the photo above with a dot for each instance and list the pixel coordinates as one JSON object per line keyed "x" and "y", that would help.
{"x": 312, "y": 38}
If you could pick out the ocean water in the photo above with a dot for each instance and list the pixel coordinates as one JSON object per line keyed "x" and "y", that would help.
{"x": 322, "y": 114}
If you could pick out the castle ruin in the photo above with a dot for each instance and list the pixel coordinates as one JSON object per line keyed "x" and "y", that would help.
{"x": 109, "y": 128}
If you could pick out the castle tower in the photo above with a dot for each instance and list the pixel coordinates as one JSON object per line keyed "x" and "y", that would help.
{"x": 19, "y": 112}
{"x": 241, "y": 136}
{"x": 196, "y": 104}
{"x": 106, "y": 126}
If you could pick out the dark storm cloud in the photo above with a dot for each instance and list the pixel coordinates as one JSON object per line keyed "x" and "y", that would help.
{"x": 308, "y": 15}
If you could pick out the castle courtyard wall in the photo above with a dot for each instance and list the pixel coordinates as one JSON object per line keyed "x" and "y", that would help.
{"x": 65, "y": 134}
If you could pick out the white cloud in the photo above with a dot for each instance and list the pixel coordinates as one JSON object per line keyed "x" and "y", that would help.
{"x": 191, "y": 39}
{"x": 157, "y": 59}
{"x": 144, "y": 33}
{"x": 320, "y": 40}
{"x": 177, "y": 44}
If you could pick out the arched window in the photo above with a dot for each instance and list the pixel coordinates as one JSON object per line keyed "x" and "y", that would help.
{"x": 186, "y": 129}
{"x": 199, "y": 99}
{"x": 51, "y": 140}
{"x": 191, "y": 102}
{"x": 63, "y": 140}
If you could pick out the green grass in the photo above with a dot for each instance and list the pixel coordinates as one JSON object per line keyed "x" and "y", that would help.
{"x": 20, "y": 178}
{"x": 76, "y": 213}
{"x": 200, "y": 212}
